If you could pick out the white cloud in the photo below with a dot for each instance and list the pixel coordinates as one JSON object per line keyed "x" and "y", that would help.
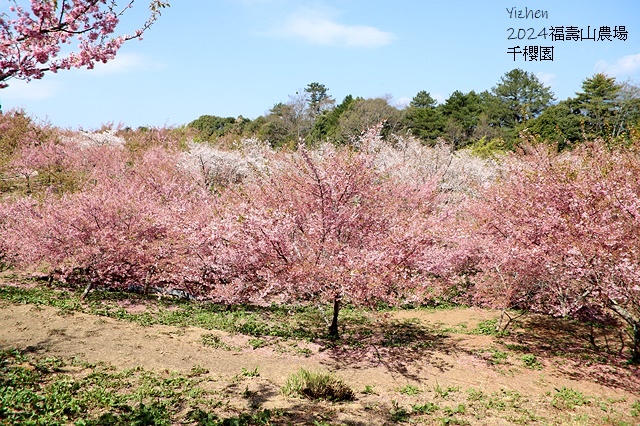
{"x": 625, "y": 66}
{"x": 318, "y": 29}
{"x": 34, "y": 90}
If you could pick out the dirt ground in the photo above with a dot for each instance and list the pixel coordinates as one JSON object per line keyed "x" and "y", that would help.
{"x": 456, "y": 361}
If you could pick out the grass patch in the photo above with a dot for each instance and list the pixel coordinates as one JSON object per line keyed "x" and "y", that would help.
{"x": 567, "y": 398}
{"x": 317, "y": 385}
{"x": 410, "y": 390}
{"x": 489, "y": 328}
{"x": 531, "y": 362}
{"x": 211, "y": 340}
{"x": 368, "y": 390}
{"x": 398, "y": 414}
{"x": 250, "y": 373}
{"x": 281, "y": 321}
{"x": 498, "y": 357}
{"x": 444, "y": 393}
{"x": 265, "y": 325}
{"x": 40, "y": 391}
{"x": 426, "y": 408}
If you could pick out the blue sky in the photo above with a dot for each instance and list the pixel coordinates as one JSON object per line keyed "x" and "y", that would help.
{"x": 240, "y": 57}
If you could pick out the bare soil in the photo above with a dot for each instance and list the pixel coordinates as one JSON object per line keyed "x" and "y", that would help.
{"x": 445, "y": 371}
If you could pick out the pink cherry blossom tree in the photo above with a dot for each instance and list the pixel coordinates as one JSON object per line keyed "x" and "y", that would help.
{"x": 49, "y": 35}
{"x": 131, "y": 223}
{"x": 330, "y": 226}
{"x": 560, "y": 235}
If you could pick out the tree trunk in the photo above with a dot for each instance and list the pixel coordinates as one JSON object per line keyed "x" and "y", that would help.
{"x": 635, "y": 330}
{"x": 333, "y": 328}
{"x": 87, "y": 290}
{"x": 635, "y": 349}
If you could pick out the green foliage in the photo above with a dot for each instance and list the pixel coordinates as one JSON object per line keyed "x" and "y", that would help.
{"x": 530, "y": 361}
{"x": 250, "y": 373}
{"x": 498, "y": 357}
{"x": 597, "y": 103}
{"x": 36, "y": 391}
{"x": 485, "y": 148}
{"x": 523, "y": 95}
{"x": 568, "y": 398}
{"x": 197, "y": 370}
{"x": 202, "y": 418}
{"x": 444, "y": 392}
{"x": 325, "y": 126}
{"x": 398, "y": 414}
{"x": 603, "y": 109}
{"x": 142, "y": 415}
{"x": 209, "y": 339}
{"x": 211, "y": 127}
{"x": 423, "y": 119}
{"x": 423, "y": 100}
{"x": 459, "y": 409}
{"x": 610, "y": 110}
{"x": 446, "y": 421}
{"x": 475, "y": 395}
{"x": 319, "y": 100}
{"x": 410, "y": 390}
{"x": 317, "y": 385}
{"x": 426, "y": 408}
{"x": 489, "y": 328}
{"x": 363, "y": 114}
{"x": 257, "y": 343}
{"x": 559, "y": 124}
{"x": 461, "y": 113}
{"x": 368, "y": 390}
{"x": 281, "y": 127}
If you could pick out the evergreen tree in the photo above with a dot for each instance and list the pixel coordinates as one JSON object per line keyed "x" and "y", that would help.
{"x": 523, "y": 96}
{"x": 461, "y": 114}
{"x": 325, "y": 126}
{"x": 423, "y": 119}
{"x": 559, "y": 124}
{"x": 598, "y": 104}
{"x": 318, "y": 99}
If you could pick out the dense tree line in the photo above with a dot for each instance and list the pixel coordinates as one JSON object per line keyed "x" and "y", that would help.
{"x": 488, "y": 120}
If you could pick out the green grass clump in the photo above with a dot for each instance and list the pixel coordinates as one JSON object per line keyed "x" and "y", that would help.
{"x": 530, "y": 361}
{"x": 410, "y": 390}
{"x": 426, "y": 408}
{"x": 489, "y": 328}
{"x": 317, "y": 385}
{"x": 568, "y": 398}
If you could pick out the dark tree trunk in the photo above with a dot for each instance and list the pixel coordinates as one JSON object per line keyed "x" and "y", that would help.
{"x": 635, "y": 331}
{"x": 333, "y": 328}
{"x": 635, "y": 349}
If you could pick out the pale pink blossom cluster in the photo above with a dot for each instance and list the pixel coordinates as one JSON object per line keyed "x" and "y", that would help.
{"x": 34, "y": 35}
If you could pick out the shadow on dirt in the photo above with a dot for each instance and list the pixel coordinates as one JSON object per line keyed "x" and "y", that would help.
{"x": 403, "y": 347}
{"x": 580, "y": 351}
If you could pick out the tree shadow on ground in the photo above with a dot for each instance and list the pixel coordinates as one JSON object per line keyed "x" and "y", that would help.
{"x": 403, "y": 347}
{"x": 256, "y": 391}
{"x": 578, "y": 350}
{"x": 310, "y": 412}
